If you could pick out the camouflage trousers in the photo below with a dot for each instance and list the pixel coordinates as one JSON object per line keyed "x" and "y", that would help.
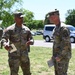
{"x": 61, "y": 67}
{"x": 14, "y": 64}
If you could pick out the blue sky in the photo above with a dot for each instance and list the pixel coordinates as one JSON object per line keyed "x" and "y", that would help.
{"x": 41, "y": 7}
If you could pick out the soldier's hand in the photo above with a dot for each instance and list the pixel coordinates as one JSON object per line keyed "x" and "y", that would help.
{"x": 7, "y": 47}
{"x": 28, "y": 43}
{"x": 57, "y": 59}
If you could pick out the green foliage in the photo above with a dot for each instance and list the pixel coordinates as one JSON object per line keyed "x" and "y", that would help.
{"x": 7, "y": 19}
{"x": 37, "y": 24}
{"x": 7, "y": 4}
{"x": 28, "y": 15}
{"x": 6, "y": 7}
{"x": 6, "y": 14}
{"x": 70, "y": 17}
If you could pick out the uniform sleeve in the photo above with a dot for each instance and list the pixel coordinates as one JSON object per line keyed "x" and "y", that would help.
{"x": 66, "y": 44}
{"x": 5, "y": 36}
{"x": 30, "y": 37}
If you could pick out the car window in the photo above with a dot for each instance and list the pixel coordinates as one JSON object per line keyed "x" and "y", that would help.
{"x": 49, "y": 28}
{"x": 72, "y": 28}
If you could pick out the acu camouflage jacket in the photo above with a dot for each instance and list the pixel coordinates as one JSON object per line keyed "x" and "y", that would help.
{"x": 18, "y": 36}
{"x": 61, "y": 44}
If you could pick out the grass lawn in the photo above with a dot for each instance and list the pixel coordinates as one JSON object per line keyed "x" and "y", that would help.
{"x": 38, "y": 57}
{"x": 38, "y": 37}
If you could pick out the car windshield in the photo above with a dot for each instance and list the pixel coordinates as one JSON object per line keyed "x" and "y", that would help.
{"x": 72, "y": 28}
{"x": 49, "y": 28}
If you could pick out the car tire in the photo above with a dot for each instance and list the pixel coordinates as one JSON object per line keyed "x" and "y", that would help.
{"x": 72, "y": 39}
{"x": 47, "y": 39}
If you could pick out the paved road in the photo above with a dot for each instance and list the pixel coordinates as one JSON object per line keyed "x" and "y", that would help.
{"x": 42, "y": 43}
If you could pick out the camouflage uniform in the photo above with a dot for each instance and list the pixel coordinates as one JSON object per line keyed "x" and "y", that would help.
{"x": 61, "y": 49}
{"x": 18, "y": 36}
{"x": 1, "y": 33}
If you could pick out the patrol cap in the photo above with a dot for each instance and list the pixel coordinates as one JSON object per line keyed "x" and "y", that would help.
{"x": 53, "y": 12}
{"x": 18, "y": 14}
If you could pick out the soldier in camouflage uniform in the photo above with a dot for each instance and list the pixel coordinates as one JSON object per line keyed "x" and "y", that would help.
{"x": 61, "y": 44}
{"x": 1, "y": 33}
{"x": 20, "y": 36}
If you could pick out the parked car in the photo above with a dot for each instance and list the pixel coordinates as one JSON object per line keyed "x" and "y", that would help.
{"x": 47, "y": 32}
{"x": 33, "y": 33}
{"x": 48, "y": 29}
{"x": 39, "y": 33}
{"x": 72, "y": 32}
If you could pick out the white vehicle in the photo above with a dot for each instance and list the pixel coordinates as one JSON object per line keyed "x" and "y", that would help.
{"x": 48, "y": 29}
{"x": 72, "y": 32}
{"x": 47, "y": 32}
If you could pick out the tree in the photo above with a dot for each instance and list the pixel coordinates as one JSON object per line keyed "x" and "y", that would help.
{"x": 6, "y": 7}
{"x": 6, "y": 14}
{"x": 39, "y": 24}
{"x": 70, "y": 17}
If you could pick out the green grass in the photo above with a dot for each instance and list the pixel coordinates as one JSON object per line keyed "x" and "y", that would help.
{"x": 38, "y": 37}
{"x": 38, "y": 57}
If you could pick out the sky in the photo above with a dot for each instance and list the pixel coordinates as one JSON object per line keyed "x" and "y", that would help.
{"x": 41, "y": 7}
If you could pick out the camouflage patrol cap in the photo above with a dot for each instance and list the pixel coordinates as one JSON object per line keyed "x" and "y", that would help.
{"x": 18, "y": 14}
{"x": 53, "y": 12}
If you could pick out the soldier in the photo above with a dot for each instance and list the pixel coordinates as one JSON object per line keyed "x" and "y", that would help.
{"x": 17, "y": 38}
{"x": 61, "y": 44}
{"x": 1, "y": 33}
